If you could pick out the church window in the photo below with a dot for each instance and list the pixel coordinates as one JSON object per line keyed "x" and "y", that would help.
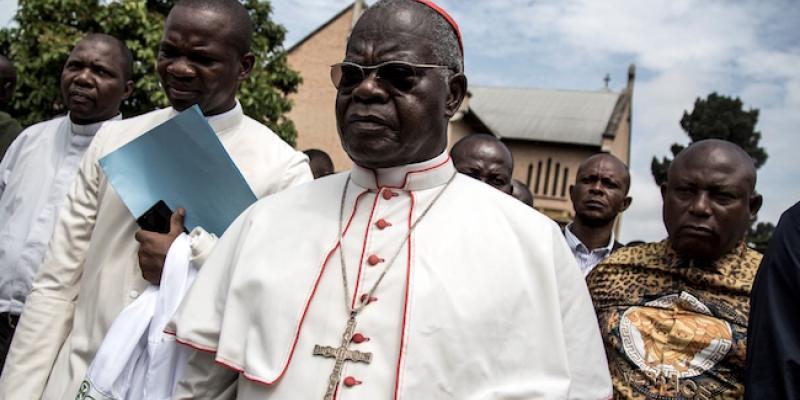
{"x": 555, "y": 179}
{"x": 564, "y": 184}
{"x": 538, "y": 176}
{"x": 530, "y": 175}
{"x": 547, "y": 176}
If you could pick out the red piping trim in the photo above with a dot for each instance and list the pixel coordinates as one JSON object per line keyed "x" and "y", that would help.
{"x": 403, "y": 326}
{"x": 405, "y": 178}
{"x": 240, "y": 370}
{"x": 310, "y": 298}
{"x": 363, "y": 247}
{"x": 227, "y": 364}
{"x": 353, "y": 213}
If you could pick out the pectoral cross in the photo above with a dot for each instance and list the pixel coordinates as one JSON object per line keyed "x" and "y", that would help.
{"x": 341, "y": 354}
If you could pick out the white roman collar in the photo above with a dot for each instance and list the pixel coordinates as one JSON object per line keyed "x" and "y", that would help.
{"x": 222, "y": 122}
{"x": 419, "y": 176}
{"x": 89, "y": 129}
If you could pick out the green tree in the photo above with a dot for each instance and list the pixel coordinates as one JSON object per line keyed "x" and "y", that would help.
{"x": 722, "y": 117}
{"x": 716, "y": 117}
{"x": 46, "y": 30}
{"x": 758, "y": 236}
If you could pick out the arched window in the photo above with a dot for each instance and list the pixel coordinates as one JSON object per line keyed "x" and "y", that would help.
{"x": 555, "y": 179}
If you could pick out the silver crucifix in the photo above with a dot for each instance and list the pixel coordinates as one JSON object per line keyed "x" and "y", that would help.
{"x": 341, "y": 354}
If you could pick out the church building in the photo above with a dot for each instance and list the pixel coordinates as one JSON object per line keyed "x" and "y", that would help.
{"x": 550, "y": 132}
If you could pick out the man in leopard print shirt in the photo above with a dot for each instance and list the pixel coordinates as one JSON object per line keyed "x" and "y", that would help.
{"x": 674, "y": 313}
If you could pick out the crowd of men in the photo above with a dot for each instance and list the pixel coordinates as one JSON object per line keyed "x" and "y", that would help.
{"x": 418, "y": 274}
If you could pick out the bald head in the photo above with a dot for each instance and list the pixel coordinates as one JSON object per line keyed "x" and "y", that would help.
{"x": 241, "y": 26}
{"x": 8, "y": 81}
{"x": 444, "y": 41}
{"x": 709, "y": 199}
{"x": 320, "y": 162}
{"x": 485, "y": 158}
{"x": 521, "y": 192}
{"x": 612, "y": 163}
{"x": 721, "y": 151}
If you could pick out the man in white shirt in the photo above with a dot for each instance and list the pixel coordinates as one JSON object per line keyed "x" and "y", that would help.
{"x": 599, "y": 195}
{"x": 400, "y": 278}
{"x": 92, "y": 269}
{"x": 41, "y": 163}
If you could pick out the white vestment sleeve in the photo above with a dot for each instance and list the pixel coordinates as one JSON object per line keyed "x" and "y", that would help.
{"x": 198, "y": 320}
{"x": 205, "y": 379}
{"x": 49, "y": 309}
{"x": 201, "y": 243}
{"x": 586, "y": 356}
{"x": 297, "y": 172}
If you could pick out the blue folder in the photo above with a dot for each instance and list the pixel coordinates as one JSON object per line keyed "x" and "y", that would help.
{"x": 183, "y": 163}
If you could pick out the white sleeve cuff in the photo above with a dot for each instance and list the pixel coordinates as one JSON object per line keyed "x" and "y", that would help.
{"x": 201, "y": 243}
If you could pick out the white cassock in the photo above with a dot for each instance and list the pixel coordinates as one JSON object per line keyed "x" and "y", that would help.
{"x": 91, "y": 270}
{"x": 483, "y": 302}
{"x": 35, "y": 175}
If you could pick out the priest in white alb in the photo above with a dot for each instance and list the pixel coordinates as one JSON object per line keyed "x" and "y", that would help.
{"x": 401, "y": 278}
{"x": 41, "y": 164}
{"x": 99, "y": 261}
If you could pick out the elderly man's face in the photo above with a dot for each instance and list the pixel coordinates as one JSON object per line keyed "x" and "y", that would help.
{"x": 197, "y": 63}
{"x": 93, "y": 84}
{"x": 708, "y": 203}
{"x": 381, "y": 124}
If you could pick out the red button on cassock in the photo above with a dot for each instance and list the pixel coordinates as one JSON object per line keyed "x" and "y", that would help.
{"x": 382, "y": 224}
{"x": 388, "y": 194}
{"x": 359, "y": 338}
{"x": 350, "y": 381}
{"x": 374, "y": 260}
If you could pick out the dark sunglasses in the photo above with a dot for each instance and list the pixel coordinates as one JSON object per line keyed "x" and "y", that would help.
{"x": 399, "y": 74}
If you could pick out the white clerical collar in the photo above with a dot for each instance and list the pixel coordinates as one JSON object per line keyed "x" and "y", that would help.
{"x": 575, "y": 244}
{"x": 419, "y": 176}
{"x": 89, "y": 129}
{"x": 224, "y": 121}
{"x": 237, "y": 109}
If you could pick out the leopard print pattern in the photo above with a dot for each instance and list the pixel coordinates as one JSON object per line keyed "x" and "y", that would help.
{"x": 673, "y": 329}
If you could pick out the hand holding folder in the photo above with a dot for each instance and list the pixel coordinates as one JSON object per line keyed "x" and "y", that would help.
{"x": 182, "y": 163}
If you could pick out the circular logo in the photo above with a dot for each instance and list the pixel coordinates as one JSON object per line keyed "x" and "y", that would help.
{"x": 675, "y": 335}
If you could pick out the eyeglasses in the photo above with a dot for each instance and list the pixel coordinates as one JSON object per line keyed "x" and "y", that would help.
{"x": 401, "y": 75}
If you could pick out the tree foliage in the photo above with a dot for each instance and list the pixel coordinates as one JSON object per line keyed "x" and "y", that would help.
{"x": 716, "y": 117}
{"x": 722, "y": 117}
{"x": 758, "y": 236}
{"x": 46, "y": 30}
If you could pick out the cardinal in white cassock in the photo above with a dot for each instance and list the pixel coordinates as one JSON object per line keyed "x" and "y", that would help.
{"x": 401, "y": 278}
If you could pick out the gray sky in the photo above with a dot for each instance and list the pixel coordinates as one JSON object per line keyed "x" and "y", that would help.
{"x": 683, "y": 49}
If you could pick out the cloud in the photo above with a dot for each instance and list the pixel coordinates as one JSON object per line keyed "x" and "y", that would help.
{"x": 643, "y": 221}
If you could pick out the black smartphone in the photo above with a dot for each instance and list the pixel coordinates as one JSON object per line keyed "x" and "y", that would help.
{"x": 156, "y": 219}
